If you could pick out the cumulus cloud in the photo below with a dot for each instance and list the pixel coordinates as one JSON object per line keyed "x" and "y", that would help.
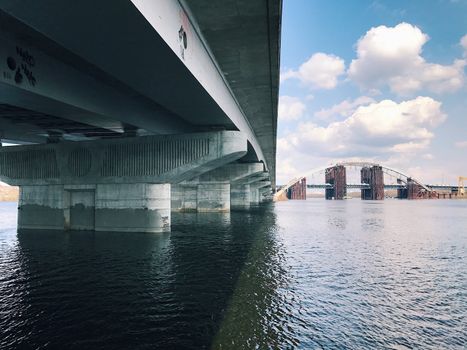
{"x": 344, "y": 108}
{"x": 385, "y": 127}
{"x": 463, "y": 43}
{"x": 290, "y": 108}
{"x": 320, "y": 71}
{"x": 392, "y": 56}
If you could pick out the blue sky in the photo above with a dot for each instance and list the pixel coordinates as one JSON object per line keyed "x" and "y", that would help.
{"x": 374, "y": 80}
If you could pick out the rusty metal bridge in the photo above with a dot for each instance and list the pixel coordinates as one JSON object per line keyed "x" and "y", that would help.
{"x": 372, "y": 184}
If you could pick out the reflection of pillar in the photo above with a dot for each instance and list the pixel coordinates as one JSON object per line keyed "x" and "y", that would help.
{"x": 337, "y": 178}
{"x": 375, "y": 179}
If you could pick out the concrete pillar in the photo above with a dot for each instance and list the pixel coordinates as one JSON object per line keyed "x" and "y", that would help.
{"x": 213, "y": 196}
{"x": 240, "y": 197}
{"x": 133, "y": 207}
{"x": 102, "y": 207}
{"x": 254, "y": 196}
{"x": 42, "y": 207}
{"x": 265, "y": 194}
{"x": 184, "y": 197}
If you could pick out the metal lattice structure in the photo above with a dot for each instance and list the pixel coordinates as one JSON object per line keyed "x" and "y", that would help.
{"x": 387, "y": 170}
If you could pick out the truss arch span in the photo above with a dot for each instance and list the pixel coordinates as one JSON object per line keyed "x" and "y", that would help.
{"x": 362, "y": 164}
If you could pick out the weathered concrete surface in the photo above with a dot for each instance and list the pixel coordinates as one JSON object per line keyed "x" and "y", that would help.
{"x": 103, "y": 207}
{"x": 254, "y": 196}
{"x": 240, "y": 197}
{"x": 133, "y": 207}
{"x": 265, "y": 194}
{"x": 213, "y": 197}
{"x": 42, "y": 207}
{"x": 184, "y": 197}
{"x": 81, "y": 213}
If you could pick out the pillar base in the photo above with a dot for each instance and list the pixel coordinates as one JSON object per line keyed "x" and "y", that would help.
{"x": 240, "y": 197}
{"x": 184, "y": 198}
{"x": 104, "y": 207}
{"x": 213, "y": 197}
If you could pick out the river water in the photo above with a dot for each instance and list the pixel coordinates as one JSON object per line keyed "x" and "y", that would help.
{"x": 309, "y": 274}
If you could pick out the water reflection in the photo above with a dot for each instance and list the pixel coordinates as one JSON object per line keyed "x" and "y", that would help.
{"x": 305, "y": 275}
{"x": 122, "y": 290}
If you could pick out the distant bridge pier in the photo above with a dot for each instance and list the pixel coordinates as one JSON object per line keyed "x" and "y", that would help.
{"x": 297, "y": 190}
{"x": 416, "y": 191}
{"x": 337, "y": 178}
{"x": 116, "y": 185}
{"x": 374, "y": 177}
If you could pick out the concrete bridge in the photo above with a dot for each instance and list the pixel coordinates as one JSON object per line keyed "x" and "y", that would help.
{"x": 126, "y": 110}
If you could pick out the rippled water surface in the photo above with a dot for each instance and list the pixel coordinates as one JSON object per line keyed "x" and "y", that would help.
{"x": 306, "y": 275}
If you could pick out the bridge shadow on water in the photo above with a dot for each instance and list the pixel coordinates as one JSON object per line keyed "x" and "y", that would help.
{"x": 210, "y": 283}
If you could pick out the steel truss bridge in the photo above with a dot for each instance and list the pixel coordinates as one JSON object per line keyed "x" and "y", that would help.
{"x": 402, "y": 179}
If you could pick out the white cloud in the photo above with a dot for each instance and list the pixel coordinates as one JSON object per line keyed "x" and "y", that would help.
{"x": 461, "y": 144}
{"x": 380, "y": 128}
{"x": 392, "y": 55}
{"x": 344, "y": 108}
{"x": 320, "y": 71}
{"x": 463, "y": 43}
{"x": 428, "y": 156}
{"x": 290, "y": 108}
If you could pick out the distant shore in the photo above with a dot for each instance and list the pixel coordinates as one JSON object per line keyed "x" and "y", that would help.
{"x": 9, "y": 194}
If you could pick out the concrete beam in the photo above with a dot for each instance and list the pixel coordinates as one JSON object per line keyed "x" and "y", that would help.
{"x": 264, "y": 176}
{"x": 233, "y": 173}
{"x": 260, "y": 184}
{"x": 151, "y": 159}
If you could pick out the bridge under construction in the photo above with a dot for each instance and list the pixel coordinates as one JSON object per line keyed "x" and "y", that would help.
{"x": 371, "y": 184}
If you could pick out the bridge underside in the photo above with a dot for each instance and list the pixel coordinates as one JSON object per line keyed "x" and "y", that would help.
{"x": 118, "y": 121}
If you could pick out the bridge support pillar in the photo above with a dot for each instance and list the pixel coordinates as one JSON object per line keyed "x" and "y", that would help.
{"x": 213, "y": 197}
{"x": 184, "y": 197}
{"x": 265, "y": 194}
{"x": 254, "y": 196}
{"x": 240, "y": 197}
{"x": 132, "y": 207}
{"x": 336, "y": 176}
{"x": 102, "y": 207}
{"x": 374, "y": 177}
{"x": 42, "y": 207}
